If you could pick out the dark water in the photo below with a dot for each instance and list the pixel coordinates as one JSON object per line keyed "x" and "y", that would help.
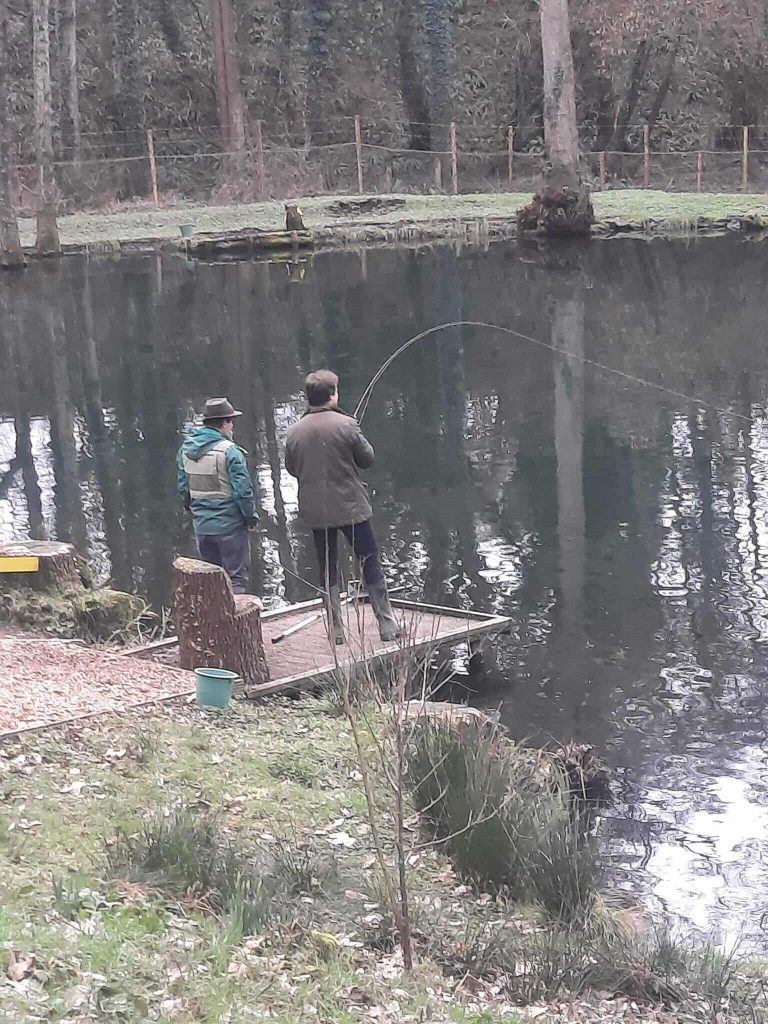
{"x": 622, "y": 528}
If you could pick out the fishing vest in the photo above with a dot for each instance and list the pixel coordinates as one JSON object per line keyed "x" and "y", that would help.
{"x": 208, "y": 477}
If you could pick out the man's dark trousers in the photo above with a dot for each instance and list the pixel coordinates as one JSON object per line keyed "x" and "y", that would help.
{"x": 232, "y": 552}
{"x": 363, "y": 541}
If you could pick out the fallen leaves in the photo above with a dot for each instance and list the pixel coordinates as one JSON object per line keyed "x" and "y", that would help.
{"x": 20, "y": 966}
{"x": 342, "y": 839}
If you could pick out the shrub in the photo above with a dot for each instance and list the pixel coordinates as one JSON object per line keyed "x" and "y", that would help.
{"x": 503, "y": 815}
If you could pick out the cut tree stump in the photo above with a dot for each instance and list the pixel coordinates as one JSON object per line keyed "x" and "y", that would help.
{"x": 217, "y": 629}
{"x": 58, "y": 565}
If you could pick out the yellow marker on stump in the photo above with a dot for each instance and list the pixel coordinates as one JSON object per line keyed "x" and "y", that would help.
{"x": 19, "y": 563}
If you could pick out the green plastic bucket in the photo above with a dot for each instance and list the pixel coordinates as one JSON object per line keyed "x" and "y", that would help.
{"x": 187, "y": 230}
{"x": 214, "y": 687}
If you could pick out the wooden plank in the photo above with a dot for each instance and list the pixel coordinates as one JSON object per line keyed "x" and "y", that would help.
{"x": 303, "y": 680}
{"x": 646, "y": 155}
{"x": 745, "y": 159}
{"x": 19, "y": 563}
{"x": 454, "y": 613}
{"x": 359, "y": 154}
{"x": 510, "y": 154}
{"x": 152, "y": 167}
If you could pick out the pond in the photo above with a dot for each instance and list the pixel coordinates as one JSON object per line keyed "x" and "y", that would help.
{"x": 620, "y": 525}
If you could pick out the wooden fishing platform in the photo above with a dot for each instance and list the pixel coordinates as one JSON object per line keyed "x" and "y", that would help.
{"x": 245, "y": 241}
{"x": 306, "y": 658}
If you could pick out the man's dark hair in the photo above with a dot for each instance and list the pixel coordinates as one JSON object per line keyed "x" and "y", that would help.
{"x": 320, "y": 387}
{"x": 219, "y": 421}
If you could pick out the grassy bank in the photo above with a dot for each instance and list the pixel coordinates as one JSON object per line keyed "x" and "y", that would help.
{"x": 422, "y": 218}
{"x": 183, "y": 866}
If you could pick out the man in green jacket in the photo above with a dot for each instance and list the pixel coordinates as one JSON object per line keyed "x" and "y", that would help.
{"x": 216, "y": 487}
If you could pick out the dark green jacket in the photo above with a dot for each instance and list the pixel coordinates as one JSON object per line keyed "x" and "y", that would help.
{"x": 217, "y": 516}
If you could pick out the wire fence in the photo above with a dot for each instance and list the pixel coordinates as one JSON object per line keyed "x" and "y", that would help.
{"x": 167, "y": 166}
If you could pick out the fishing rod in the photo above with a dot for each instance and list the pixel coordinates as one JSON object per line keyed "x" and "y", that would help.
{"x": 362, "y": 405}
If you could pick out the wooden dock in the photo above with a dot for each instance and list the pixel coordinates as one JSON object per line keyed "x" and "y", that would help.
{"x": 245, "y": 241}
{"x": 306, "y": 658}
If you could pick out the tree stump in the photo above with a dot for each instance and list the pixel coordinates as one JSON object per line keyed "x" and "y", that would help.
{"x": 561, "y": 206}
{"x": 59, "y": 565}
{"x": 216, "y": 629}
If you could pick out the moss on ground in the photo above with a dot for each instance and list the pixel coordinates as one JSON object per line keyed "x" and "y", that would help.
{"x": 642, "y": 208}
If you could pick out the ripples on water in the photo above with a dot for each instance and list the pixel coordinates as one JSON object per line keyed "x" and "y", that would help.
{"x": 623, "y": 530}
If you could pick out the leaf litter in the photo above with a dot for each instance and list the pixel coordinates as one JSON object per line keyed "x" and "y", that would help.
{"x": 52, "y": 681}
{"x": 315, "y": 965}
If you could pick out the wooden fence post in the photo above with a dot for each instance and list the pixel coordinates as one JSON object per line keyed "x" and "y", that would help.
{"x": 152, "y": 167}
{"x": 260, "y": 171}
{"x": 601, "y": 165}
{"x": 699, "y": 170}
{"x": 510, "y": 154}
{"x": 646, "y": 155}
{"x": 454, "y": 161}
{"x": 745, "y": 159}
{"x": 359, "y": 153}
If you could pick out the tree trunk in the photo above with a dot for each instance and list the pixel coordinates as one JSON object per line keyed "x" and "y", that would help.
{"x": 321, "y": 79}
{"x": 563, "y": 206}
{"x": 287, "y": 104}
{"x": 438, "y": 30}
{"x": 11, "y": 253}
{"x": 560, "y": 131}
{"x": 664, "y": 86}
{"x": 411, "y": 85}
{"x": 47, "y": 229}
{"x": 69, "y": 114}
{"x": 130, "y": 115}
{"x": 618, "y": 141}
{"x": 229, "y": 91}
{"x": 215, "y": 629}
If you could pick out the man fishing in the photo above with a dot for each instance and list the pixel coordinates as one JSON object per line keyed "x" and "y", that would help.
{"x": 325, "y": 451}
{"x": 215, "y": 486}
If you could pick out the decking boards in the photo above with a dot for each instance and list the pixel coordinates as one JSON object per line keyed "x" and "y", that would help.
{"x": 301, "y": 659}
{"x": 304, "y": 659}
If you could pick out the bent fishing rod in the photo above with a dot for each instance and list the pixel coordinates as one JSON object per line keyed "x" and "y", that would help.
{"x": 362, "y": 406}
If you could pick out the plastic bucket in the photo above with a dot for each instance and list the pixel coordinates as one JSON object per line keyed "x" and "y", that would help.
{"x": 186, "y": 230}
{"x": 214, "y": 687}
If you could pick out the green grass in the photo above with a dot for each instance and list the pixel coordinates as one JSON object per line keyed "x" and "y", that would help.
{"x": 122, "y": 943}
{"x": 117, "y": 938}
{"x": 656, "y": 210}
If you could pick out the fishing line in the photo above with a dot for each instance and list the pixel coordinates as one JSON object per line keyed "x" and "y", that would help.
{"x": 362, "y": 405}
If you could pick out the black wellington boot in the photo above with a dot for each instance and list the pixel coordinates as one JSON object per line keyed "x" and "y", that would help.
{"x": 337, "y": 622}
{"x": 389, "y": 627}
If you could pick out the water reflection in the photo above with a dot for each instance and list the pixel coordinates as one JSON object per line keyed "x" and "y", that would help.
{"x": 623, "y": 529}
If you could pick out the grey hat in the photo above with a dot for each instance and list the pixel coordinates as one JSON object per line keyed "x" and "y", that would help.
{"x": 219, "y": 409}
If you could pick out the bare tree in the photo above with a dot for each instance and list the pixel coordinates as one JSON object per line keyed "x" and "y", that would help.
{"x": 11, "y": 253}
{"x": 47, "y": 243}
{"x": 69, "y": 112}
{"x": 229, "y": 90}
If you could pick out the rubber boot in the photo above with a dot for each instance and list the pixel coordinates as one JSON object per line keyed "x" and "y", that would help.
{"x": 389, "y": 628}
{"x": 337, "y": 621}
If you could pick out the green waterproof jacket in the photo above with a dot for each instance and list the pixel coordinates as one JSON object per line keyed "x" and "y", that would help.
{"x": 216, "y": 516}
